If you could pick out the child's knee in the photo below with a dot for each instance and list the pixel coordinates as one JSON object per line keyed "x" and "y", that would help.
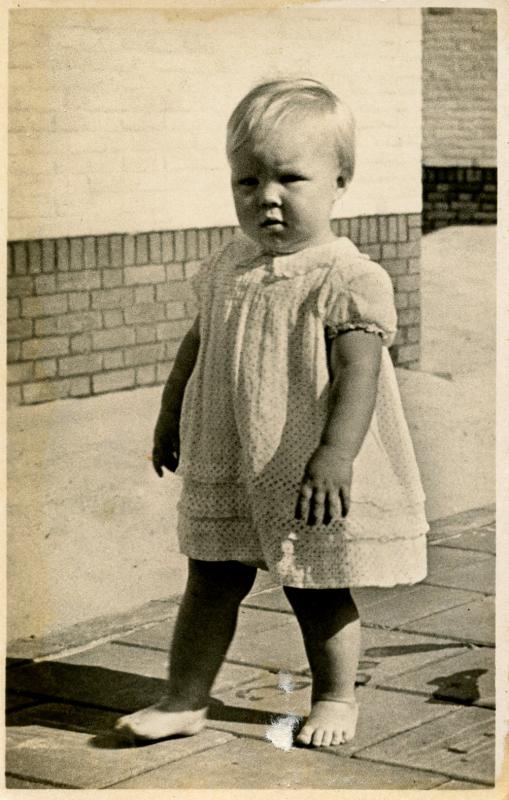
{"x": 221, "y": 579}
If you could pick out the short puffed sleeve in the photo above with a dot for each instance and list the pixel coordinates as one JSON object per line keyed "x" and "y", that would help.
{"x": 359, "y": 297}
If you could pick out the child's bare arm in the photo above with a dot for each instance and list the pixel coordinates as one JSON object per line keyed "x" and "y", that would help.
{"x": 355, "y": 364}
{"x": 166, "y": 448}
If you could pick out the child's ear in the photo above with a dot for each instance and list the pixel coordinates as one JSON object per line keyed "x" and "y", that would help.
{"x": 340, "y": 186}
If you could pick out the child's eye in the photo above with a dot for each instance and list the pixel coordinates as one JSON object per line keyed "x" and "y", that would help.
{"x": 248, "y": 181}
{"x": 291, "y": 177}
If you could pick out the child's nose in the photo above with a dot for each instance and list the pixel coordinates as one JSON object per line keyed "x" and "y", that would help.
{"x": 269, "y": 194}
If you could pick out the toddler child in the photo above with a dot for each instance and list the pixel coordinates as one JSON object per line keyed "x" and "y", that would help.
{"x": 283, "y": 415}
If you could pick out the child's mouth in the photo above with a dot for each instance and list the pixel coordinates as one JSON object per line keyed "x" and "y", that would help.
{"x": 270, "y": 223}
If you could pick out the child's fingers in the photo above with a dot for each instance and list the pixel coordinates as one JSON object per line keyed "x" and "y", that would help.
{"x": 302, "y": 507}
{"x": 316, "y": 514}
{"x": 344, "y": 495}
{"x": 332, "y": 508}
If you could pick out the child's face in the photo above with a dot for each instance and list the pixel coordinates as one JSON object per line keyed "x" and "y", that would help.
{"x": 285, "y": 185}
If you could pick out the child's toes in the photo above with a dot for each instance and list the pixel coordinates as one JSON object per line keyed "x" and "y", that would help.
{"x": 305, "y": 734}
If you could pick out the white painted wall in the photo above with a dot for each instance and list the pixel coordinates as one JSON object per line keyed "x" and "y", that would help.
{"x": 117, "y": 117}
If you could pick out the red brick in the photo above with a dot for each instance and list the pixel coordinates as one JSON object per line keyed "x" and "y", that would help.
{"x": 215, "y": 239}
{"x": 34, "y": 257}
{"x": 396, "y": 266}
{"x": 113, "y": 381}
{"x": 173, "y": 291}
{"x": 13, "y": 351}
{"x": 203, "y": 243}
{"x": 112, "y": 278}
{"x": 116, "y": 337}
{"x": 374, "y": 251}
{"x": 19, "y": 329}
{"x": 191, "y": 244}
{"x": 402, "y": 228}
{"x": 45, "y": 348}
{"x": 172, "y": 330}
{"x": 44, "y": 391}
{"x": 47, "y": 368}
{"x": 409, "y": 352}
{"x": 143, "y": 354}
{"x": 389, "y": 250}
{"x": 141, "y": 248}
{"x": 413, "y": 335}
{"x": 144, "y": 294}
{"x": 89, "y": 253}
{"x": 154, "y": 248}
{"x": 80, "y": 387}
{"x": 20, "y": 286}
{"x": 175, "y": 310}
{"x": 113, "y": 318}
{"x": 408, "y": 249}
{"x": 20, "y": 373}
{"x": 45, "y": 305}
{"x": 414, "y": 265}
{"x": 112, "y": 298}
{"x": 79, "y": 322}
{"x": 162, "y": 371}
{"x": 63, "y": 260}
{"x": 145, "y": 313}
{"x": 382, "y": 228}
{"x": 175, "y": 272}
{"x": 77, "y": 261}
{"x": 191, "y": 268}
{"x": 20, "y": 258}
{"x": 414, "y": 220}
{"x": 47, "y": 326}
{"x": 14, "y": 396}
{"x": 77, "y": 281}
{"x": 145, "y": 375}
{"x": 414, "y": 234}
{"x": 79, "y": 301}
{"x": 167, "y": 247}
{"x": 113, "y": 359}
{"x": 392, "y": 229}
{"x": 401, "y": 300}
{"x": 145, "y": 334}
{"x": 129, "y": 250}
{"x": 409, "y": 316}
{"x": 48, "y": 255}
{"x": 78, "y": 365}
{"x": 172, "y": 348}
{"x": 364, "y": 230}
{"x": 81, "y": 343}
{"x": 116, "y": 258}
{"x": 103, "y": 252}
{"x": 155, "y": 273}
{"x": 414, "y": 299}
{"x": 408, "y": 283}
{"x": 13, "y": 308}
{"x": 45, "y": 284}
{"x": 179, "y": 245}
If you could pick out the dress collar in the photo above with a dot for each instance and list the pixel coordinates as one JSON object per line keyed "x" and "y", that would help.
{"x": 287, "y": 266}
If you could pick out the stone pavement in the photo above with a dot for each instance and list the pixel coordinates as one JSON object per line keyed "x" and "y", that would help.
{"x": 426, "y": 689}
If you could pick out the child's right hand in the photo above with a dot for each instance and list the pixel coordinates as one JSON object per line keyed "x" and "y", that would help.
{"x": 166, "y": 450}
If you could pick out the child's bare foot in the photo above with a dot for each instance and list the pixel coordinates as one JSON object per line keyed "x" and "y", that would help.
{"x": 330, "y": 723}
{"x": 160, "y": 721}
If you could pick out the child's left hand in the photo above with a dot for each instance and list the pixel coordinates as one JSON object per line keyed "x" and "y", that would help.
{"x": 324, "y": 494}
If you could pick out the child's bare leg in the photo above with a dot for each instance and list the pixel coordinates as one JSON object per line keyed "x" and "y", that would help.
{"x": 331, "y": 629}
{"x": 205, "y": 626}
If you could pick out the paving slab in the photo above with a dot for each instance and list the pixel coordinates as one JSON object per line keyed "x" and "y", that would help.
{"x": 270, "y": 599}
{"x": 253, "y": 764}
{"x": 74, "y": 747}
{"x": 392, "y": 608}
{"x": 264, "y": 639}
{"x": 465, "y": 520}
{"x": 473, "y": 622}
{"x": 459, "y": 745}
{"x": 483, "y": 539}
{"x": 259, "y": 708}
{"x": 461, "y": 569}
{"x": 387, "y": 653}
{"x": 468, "y": 678}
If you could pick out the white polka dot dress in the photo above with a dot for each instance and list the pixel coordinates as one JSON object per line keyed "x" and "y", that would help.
{"x": 254, "y": 410}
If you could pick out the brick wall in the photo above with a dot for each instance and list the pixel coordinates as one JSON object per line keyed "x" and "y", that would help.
{"x": 96, "y": 314}
{"x": 117, "y": 117}
{"x": 459, "y": 196}
{"x": 459, "y": 76}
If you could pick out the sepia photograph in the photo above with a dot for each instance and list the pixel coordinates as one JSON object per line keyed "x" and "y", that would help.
{"x": 251, "y": 379}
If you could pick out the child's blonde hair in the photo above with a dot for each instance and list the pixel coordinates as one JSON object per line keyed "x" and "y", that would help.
{"x": 269, "y": 103}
